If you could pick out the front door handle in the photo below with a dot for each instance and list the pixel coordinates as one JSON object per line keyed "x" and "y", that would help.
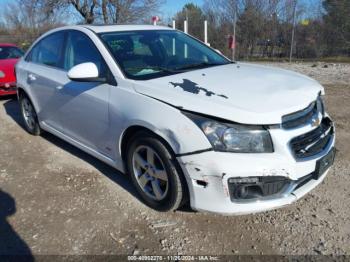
{"x": 31, "y": 77}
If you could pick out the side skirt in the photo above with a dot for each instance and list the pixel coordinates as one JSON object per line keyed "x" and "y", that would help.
{"x": 86, "y": 149}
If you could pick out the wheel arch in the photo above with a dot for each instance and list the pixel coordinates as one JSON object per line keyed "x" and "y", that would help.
{"x": 22, "y": 91}
{"x": 132, "y": 130}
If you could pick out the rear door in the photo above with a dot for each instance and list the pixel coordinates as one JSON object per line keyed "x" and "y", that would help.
{"x": 45, "y": 75}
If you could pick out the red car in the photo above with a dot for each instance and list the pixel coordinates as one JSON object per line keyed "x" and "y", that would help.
{"x": 9, "y": 55}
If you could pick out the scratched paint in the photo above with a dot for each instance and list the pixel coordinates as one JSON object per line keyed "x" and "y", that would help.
{"x": 194, "y": 88}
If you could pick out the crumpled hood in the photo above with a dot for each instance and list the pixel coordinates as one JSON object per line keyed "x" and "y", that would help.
{"x": 8, "y": 67}
{"x": 243, "y": 93}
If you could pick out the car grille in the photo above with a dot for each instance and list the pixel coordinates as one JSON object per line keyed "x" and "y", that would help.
{"x": 305, "y": 116}
{"x": 300, "y": 118}
{"x": 314, "y": 142}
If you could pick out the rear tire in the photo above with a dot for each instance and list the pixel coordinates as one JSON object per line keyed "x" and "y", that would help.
{"x": 29, "y": 116}
{"x": 155, "y": 172}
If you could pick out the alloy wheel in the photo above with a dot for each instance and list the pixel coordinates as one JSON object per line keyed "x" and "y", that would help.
{"x": 150, "y": 173}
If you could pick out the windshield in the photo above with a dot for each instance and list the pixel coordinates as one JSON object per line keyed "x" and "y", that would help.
{"x": 10, "y": 52}
{"x": 144, "y": 55}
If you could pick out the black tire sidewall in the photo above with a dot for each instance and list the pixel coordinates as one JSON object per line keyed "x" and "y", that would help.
{"x": 175, "y": 187}
{"x": 36, "y": 130}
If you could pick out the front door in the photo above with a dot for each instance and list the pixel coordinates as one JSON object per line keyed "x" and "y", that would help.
{"x": 84, "y": 105}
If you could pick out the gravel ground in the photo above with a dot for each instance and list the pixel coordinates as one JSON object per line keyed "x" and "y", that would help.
{"x": 55, "y": 199}
{"x": 326, "y": 73}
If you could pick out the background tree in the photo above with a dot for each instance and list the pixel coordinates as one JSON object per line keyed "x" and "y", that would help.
{"x": 129, "y": 11}
{"x": 221, "y": 15}
{"x": 25, "y": 20}
{"x": 86, "y": 9}
{"x": 250, "y": 27}
{"x": 337, "y": 26}
{"x": 195, "y": 17}
{"x": 108, "y": 11}
{"x": 264, "y": 27}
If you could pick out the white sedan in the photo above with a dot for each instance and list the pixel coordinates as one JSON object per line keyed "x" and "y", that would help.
{"x": 186, "y": 123}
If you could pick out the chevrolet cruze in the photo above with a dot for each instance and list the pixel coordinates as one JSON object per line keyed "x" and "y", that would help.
{"x": 186, "y": 123}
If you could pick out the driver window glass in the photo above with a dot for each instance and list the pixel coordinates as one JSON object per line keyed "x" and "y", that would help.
{"x": 80, "y": 49}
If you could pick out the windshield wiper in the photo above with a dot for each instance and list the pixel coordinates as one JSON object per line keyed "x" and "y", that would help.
{"x": 158, "y": 68}
{"x": 175, "y": 70}
{"x": 198, "y": 65}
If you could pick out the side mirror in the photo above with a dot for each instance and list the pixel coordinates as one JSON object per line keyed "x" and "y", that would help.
{"x": 86, "y": 72}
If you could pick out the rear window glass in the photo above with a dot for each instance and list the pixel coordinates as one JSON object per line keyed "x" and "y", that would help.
{"x": 48, "y": 51}
{"x": 10, "y": 52}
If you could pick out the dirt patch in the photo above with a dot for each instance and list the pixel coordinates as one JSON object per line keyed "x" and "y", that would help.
{"x": 325, "y": 73}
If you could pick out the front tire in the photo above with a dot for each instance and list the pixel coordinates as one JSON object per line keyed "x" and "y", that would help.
{"x": 29, "y": 116}
{"x": 155, "y": 172}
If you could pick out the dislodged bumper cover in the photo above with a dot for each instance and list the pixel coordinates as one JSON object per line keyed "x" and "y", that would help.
{"x": 208, "y": 173}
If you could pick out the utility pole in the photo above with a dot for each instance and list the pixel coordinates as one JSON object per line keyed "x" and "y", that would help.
{"x": 174, "y": 41}
{"x": 293, "y": 31}
{"x": 234, "y": 32}
{"x": 206, "y": 32}
{"x": 186, "y": 20}
{"x": 186, "y": 32}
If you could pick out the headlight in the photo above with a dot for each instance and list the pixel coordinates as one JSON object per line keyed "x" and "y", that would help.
{"x": 2, "y": 74}
{"x": 236, "y": 138}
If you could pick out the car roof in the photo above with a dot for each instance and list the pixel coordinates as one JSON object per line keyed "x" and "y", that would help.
{"x": 114, "y": 28}
{"x": 103, "y": 29}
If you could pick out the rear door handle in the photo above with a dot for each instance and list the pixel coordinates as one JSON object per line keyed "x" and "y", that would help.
{"x": 31, "y": 77}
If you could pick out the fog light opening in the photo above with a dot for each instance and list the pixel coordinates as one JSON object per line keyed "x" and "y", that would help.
{"x": 256, "y": 188}
{"x": 248, "y": 192}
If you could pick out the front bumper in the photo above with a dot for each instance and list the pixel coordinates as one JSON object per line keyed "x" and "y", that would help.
{"x": 8, "y": 88}
{"x": 208, "y": 173}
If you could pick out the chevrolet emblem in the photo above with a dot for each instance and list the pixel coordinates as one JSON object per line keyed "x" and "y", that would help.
{"x": 315, "y": 122}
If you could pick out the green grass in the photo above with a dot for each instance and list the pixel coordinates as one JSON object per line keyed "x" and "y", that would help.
{"x": 336, "y": 59}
